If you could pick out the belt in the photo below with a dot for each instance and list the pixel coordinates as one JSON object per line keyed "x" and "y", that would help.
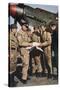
{"x": 13, "y": 48}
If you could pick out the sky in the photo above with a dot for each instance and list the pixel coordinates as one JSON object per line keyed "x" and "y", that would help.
{"x": 50, "y": 8}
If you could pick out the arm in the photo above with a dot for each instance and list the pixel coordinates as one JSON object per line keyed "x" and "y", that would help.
{"x": 48, "y": 40}
{"x": 22, "y": 42}
{"x": 26, "y": 44}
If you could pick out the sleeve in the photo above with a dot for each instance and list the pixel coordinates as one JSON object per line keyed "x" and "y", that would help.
{"x": 48, "y": 40}
{"x": 19, "y": 37}
{"x": 26, "y": 44}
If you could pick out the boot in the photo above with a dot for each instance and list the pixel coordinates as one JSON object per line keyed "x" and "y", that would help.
{"x": 12, "y": 83}
{"x": 49, "y": 76}
{"x": 24, "y": 81}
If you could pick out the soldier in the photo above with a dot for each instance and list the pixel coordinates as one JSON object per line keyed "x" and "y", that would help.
{"x": 46, "y": 46}
{"x": 36, "y": 60}
{"x": 24, "y": 42}
{"x": 54, "y": 29}
{"x": 13, "y": 55}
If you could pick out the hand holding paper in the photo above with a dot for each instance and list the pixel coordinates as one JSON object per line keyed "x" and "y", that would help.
{"x": 36, "y": 44}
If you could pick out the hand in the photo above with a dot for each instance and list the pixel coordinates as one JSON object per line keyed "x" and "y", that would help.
{"x": 40, "y": 45}
{"x": 36, "y": 44}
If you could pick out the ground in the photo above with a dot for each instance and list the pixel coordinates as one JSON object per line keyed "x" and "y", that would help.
{"x": 34, "y": 81}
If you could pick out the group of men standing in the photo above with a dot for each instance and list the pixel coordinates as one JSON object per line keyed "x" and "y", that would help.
{"x": 25, "y": 38}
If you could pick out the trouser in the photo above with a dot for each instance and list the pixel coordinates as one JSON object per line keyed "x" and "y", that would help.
{"x": 13, "y": 60}
{"x": 12, "y": 66}
{"x": 36, "y": 64}
{"x": 55, "y": 61}
{"x": 47, "y": 63}
{"x": 11, "y": 80}
{"x": 25, "y": 63}
{"x": 36, "y": 61}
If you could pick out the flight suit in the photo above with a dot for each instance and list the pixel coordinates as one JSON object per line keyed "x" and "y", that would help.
{"x": 46, "y": 45}
{"x": 24, "y": 41}
{"x": 13, "y": 52}
{"x": 36, "y": 60}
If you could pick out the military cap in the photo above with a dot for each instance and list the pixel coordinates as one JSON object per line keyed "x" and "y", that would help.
{"x": 13, "y": 26}
{"x": 52, "y": 23}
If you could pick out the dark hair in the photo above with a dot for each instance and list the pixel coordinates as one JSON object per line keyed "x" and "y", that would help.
{"x": 13, "y": 26}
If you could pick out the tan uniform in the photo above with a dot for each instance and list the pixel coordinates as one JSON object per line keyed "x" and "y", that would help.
{"x": 46, "y": 45}
{"x": 13, "y": 52}
{"x": 24, "y": 42}
{"x": 36, "y": 62}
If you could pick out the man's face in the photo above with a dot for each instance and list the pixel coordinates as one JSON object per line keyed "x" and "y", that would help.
{"x": 14, "y": 30}
{"x": 53, "y": 27}
{"x": 43, "y": 27}
{"x": 36, "y": 30}
{"x": 24, "y": 27}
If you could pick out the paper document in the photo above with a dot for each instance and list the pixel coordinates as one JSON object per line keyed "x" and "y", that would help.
{"x": 31, "y": 48}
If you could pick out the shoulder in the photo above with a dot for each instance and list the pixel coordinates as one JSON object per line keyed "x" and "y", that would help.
{"x": 19, "y": 32}
{"x": 48, "y": 33}
{"x": 11, "y": 34}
